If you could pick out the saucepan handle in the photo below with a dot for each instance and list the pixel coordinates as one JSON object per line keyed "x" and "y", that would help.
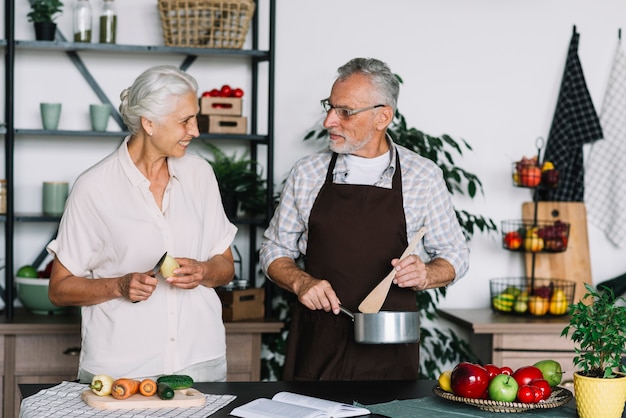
{"x": 347, "y": 312}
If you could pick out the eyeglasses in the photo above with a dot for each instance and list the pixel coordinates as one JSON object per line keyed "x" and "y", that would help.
{"x": 344, "y": 113}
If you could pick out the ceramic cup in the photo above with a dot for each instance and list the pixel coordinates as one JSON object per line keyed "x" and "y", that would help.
{"x": 54, "y": 197}
{"x": 99, "y": 114}
{"x": 50, "y": 115}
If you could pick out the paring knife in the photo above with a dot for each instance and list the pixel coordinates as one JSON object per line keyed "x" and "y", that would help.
{"x": 156, "y": 268}
{"x": 158, "y": 265}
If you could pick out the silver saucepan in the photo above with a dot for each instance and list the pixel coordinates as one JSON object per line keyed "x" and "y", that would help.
{"x": 385, "y": 327}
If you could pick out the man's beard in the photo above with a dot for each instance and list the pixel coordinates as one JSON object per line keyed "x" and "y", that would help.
{"x": 349, "y": 145}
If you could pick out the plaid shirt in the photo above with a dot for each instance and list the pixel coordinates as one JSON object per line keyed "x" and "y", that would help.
{"x": 574, "y": 124}
{"x": 427, "y": 202}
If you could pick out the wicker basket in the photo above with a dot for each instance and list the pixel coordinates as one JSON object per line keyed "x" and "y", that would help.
{"x": 206, "y": 23}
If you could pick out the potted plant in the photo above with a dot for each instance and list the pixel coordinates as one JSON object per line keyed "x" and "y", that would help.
{"x": 42, "y": 14}
{"x": 598, "y": 327}
{"x": 240, "y": 182}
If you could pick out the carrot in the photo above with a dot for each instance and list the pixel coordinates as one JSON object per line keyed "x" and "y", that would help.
{"x": 124, "y": 388}
{"x": 147, "y": 387}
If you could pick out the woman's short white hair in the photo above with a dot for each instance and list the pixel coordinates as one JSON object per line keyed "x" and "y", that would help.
{"x": 151, "y": 93}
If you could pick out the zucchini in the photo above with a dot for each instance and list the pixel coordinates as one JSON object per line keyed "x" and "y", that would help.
{"x": 165, "y": 391}
{"x": 176, "y": 381}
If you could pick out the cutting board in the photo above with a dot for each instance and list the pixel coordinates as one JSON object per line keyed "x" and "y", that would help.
{"x": 572, "y": 264}
{"x": 182, "y": 398}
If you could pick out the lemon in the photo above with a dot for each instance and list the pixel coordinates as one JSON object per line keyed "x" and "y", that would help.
{"x": 27, "y": 271}
{"x": 445, "y": 381}
{"x": 547, "y": 166}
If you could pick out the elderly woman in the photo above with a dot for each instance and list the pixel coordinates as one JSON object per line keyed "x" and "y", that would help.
{"x": 146, "y": 198}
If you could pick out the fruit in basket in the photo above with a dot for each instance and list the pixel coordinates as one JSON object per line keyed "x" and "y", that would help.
{"x": 538, "y": 305}
{"x": 547, "y": 166}
{"x": 551, "y": 371}
{"x": 532, "y": 242}
{"x": 543, "y": 386}
{"x": 513, "y": 290}
{"x": 504, "y": 302}
{"x": 558, "y": 303}
{"x": 512, "y": 240}
{"x": 469, "y": 380}
{"x": 525, "y": 374}
{"x": 530, "y": 176}
{"x": 528, "y": 394}
{"x": 27, "y": 271}
{"x": 503, "y": 388}
{"x": 521, "y": 303}
{"x": 492, "y": 370}
{"x": 445, "y": 380}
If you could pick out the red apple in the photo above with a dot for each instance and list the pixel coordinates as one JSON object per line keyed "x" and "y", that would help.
{"x": 506, "y": 370}
{"x": 524, "y": 375}
{"x": 526, "y": 394}
{"x": 544, "y": 386}
{"x": 469, "y": 380}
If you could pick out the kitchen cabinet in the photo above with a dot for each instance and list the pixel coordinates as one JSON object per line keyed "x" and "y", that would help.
{"x": 515, "y": 341}
{"x": 259, "y": 145}
{"x": 45, "y": 349}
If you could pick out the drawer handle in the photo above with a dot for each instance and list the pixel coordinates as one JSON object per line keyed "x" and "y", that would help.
{"x": 72, "y": 351}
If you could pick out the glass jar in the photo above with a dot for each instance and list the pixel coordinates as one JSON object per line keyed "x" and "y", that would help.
{"x": 82, "y": 21}
{"x": 108, "y": 22}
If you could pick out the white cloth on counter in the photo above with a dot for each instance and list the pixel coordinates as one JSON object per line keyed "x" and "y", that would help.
{"x": 64, "y": 401}
{"x": 605, "y": 176}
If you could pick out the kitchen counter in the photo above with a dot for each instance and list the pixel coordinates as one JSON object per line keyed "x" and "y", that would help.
{"x": 366, "y": 393}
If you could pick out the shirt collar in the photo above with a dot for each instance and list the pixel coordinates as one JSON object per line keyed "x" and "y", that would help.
{"x": 342, "y": 170}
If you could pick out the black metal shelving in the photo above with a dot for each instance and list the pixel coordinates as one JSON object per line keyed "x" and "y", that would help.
{"x": 255, "y": 56}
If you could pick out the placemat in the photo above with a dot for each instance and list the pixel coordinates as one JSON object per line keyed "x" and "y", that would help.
{"x": 441, "y": 408}
{"x": 64, "y": 401}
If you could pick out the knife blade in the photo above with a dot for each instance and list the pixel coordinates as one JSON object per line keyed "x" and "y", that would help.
{"x": 159, "y": 263}
{"x": 156, "y": 268}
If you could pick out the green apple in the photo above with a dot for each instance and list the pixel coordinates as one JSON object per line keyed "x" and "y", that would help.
{"x": 551, "y": 371}
{"x": 169, "y": 265}
{"x": 27, "y": 271}
{"x": 503, "y": 388}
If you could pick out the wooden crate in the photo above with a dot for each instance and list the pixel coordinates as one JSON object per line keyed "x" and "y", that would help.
{"x": 220, "y": 106}
{"x": 242, "y": 304}
{"x": 227, "y": 124}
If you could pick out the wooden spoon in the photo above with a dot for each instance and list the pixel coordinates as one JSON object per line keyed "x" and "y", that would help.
{"x": 374, "y": 301}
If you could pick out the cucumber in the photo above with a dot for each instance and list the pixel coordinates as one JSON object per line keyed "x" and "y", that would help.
{"x": 165, "y": 391}
{"x": 176, "y": 381}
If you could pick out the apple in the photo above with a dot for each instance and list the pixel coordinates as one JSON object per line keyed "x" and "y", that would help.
{"x": 503, "y": 388}
{"x": 551, "y": 371}
{"x": 169, "y": 265}
{"x": 544, "y": 386}
{"x": 525, "y": 374}
{"x": 492, "y": 370}
{"x": 469, "y": 380}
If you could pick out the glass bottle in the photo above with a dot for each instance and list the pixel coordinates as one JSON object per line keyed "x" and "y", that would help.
{"x": 82, "y": 21}
{"x": 108, "y": 22}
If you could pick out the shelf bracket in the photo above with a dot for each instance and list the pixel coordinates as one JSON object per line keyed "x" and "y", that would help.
{"x": 82, "y": 68}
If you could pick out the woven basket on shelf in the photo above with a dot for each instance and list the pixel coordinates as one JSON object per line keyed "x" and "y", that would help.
{"x": 206, "y": 23}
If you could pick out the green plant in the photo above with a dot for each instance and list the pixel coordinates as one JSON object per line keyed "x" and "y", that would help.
{"x": 598, "y": 327}
{"x": 44, "y": 10}
{"x": 239, "y": 178}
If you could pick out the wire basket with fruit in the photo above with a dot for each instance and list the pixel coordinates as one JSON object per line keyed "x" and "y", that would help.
{"x": 528, "y": 172}
{"x": 537, "y": 297}
{"x": 532, "y": 237}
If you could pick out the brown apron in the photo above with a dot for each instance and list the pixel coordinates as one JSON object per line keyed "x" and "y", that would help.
{"x": 354, "y": 233}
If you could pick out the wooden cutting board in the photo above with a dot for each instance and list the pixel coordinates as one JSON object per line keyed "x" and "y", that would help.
{"x": 182, "y": 398}
{"x": 572, "y": 264}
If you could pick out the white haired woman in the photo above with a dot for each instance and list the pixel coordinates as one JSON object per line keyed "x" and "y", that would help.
{"x": 144, "y": 199}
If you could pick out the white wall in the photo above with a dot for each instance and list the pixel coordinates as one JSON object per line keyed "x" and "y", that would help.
{"x": 487, "y": 71}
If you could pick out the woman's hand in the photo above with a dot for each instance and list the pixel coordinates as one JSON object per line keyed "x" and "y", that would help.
{"x": 137, "y": 286}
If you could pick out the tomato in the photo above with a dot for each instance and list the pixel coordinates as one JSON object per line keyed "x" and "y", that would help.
{"x": 237, "y": 92}
{"x": 513, "y": 240}
{"x": 543, "y": 386}
{"x": 206, "y": 93}
{"x": 526, "y": 394}
{"x": 506, "y": 370}
{"x": 225, "y": 91}
{"x": 524, "y": 375}
{"x": 492, "y": 370}
{"x": 214, "y": 93}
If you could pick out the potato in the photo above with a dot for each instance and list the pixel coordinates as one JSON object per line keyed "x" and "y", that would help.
{"x": 168, "y": 266}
